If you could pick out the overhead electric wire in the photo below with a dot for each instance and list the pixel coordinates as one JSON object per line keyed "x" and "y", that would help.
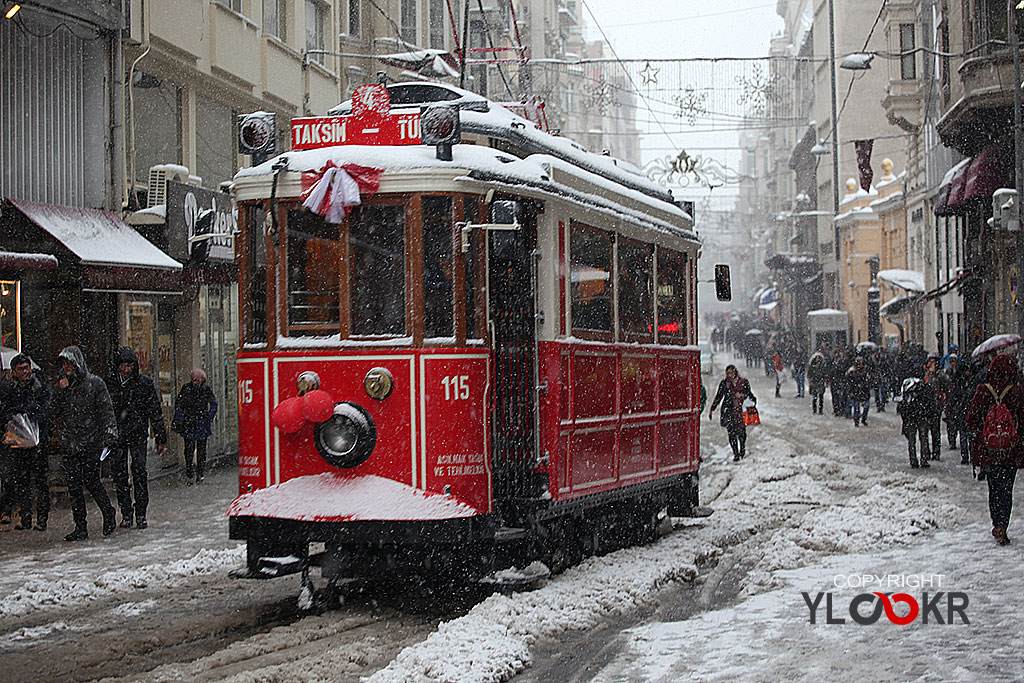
{"x": 490, "y": 41}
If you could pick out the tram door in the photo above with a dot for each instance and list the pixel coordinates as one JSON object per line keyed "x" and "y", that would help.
{"x": 513, "y": 394}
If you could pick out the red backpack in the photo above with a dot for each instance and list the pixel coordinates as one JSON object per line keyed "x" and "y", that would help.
{"x": 1000, "y": 429}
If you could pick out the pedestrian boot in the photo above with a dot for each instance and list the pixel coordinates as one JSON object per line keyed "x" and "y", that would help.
{"x": 999, "y": 533}
{"x": 126, "y": 522}
{"x": 964, "y": 460}
{"x": 25, "y": 523}
{"x": 914, "y": 464}
{"x": 924, "y": 463}
{"x": 79, "y": 534}
{"x": 41, "y": 525}
{"x": 109, "y": 524}
{"x": 141, "y": 523}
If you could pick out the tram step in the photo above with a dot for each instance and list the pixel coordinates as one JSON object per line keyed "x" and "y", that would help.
{"x": 280, "y": 566}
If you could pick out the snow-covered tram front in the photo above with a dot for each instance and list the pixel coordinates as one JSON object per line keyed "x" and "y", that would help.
{"x": 415, "y": 324}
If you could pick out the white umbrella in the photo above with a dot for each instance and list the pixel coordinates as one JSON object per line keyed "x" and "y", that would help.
{"x": 868, "y": 345}
{"x": 999, "y": 341}
{"x": 753, "y": 331}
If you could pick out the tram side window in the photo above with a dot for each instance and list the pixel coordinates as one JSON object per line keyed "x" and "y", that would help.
{"x": 377, "y": 281}
{"x": 590, "y": 257}
{"x": 636, "y": 304}
{"x": 256, "y": 297}
{"x": 313, "y": 291}
{"x": 672, "y": 288}
{"x": 438, "y": 302}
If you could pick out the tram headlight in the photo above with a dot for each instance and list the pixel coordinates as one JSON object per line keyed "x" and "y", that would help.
{"x": 346, "y": 438}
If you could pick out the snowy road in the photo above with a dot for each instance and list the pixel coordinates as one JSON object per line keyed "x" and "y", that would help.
{"x": 719, "y": 599}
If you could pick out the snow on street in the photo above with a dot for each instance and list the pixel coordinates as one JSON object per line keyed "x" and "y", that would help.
{"x": 814, "y": 501}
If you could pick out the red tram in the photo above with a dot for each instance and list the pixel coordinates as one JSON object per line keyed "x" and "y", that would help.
{"x": 463, "y": 358}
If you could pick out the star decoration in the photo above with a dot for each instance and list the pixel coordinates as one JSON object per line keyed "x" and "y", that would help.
{"x": 650, "y": 75}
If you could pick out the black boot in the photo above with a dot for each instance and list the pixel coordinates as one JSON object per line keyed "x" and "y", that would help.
{"x": 109, "y": 522}
{"x": 79, "y": 534}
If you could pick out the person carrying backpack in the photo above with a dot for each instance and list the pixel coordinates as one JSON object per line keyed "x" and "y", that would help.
{"x": 994, "y": 419}
{"x": 916, "y": 405}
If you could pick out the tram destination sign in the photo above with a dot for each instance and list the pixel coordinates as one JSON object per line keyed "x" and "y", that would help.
{"x": 371, "y": 123}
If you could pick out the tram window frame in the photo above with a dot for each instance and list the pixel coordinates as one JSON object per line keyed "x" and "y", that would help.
{"x": 669, "y": 263}
{"x": 630, "y": 306}
{"x": 473, "y": 269}
{"x": 402, "y": 208}
{"x": 255, "y": 269}
{"x": 322, "y": 250}
{"x": 436, "y": 236}
{"x": 579, "y": 233}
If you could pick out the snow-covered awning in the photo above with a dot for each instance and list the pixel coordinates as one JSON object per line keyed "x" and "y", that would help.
{"x": 334, "y": 497}
{"x": 910, "y": 280}
{"x": 97, "y": 238}
{"x": 898, "y": 305}
{"x": 769, "y": 306}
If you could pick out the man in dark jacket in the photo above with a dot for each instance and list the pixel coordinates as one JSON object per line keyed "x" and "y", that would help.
{"x": 26, "y": 393}
{"x": 83, "y": 421}
{"x": 194, "y": 411}
{"x": 136, "y": 408}
{"x": 858, "y": 387}
{"x": 917, "y": 402}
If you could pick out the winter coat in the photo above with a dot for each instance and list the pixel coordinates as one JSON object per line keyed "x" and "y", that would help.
{"x": 727, "y": 416}
{"x": 837, "y": 372}
{"x": 818, "y": 373}
{"x": 858, "y": 383}
{"x": 962, "y": 388}
{"x": 31, "y": 398}
{"x": 1002, "y": 373}
{"x": 136, "y": 402}
{"x": 194, "y": 410}
{"x": 940, "y": 384}
{"x": 83, "y": 417}
{"x": 917, "y": 403}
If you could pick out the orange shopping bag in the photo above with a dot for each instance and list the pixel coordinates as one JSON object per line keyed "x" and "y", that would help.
{"x": 751, "y": 417}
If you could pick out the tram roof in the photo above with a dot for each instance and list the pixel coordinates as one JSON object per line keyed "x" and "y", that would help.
{"x": 537, "y": 175}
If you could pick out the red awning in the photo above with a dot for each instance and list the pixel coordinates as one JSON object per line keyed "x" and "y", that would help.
{"x": 943, "y": 206}
{"x": 986, "y": 174}
{"x": 14, "y": 260}
{"x": 956, "y": 188}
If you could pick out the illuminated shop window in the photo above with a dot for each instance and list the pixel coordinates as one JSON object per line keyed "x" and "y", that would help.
{"x": 10, "y": 314}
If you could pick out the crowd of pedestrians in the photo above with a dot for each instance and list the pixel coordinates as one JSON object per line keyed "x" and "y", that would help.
{"x": 981, "y": 401}
{"x": 93, "y": 423}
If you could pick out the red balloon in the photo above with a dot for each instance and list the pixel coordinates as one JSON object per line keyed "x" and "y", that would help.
{"x": 317, "y": 405}
{"x": 287, "y": 416}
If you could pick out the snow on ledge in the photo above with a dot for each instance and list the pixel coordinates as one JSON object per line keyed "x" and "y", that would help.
{"x": 335, "y": 497}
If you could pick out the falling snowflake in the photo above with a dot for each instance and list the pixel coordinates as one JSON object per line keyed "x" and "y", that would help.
{"x": 691, "y": 104}
{"x": 649, "y": 74}
{"x": 601, "y": 96}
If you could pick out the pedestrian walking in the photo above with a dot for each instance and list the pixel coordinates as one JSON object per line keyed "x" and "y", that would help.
{"x": 84, "y": 424}
{"x": 817, "y": 377}
{"x": 194, "y": 411}
{"x": 858, "y": 386}
{"x": 800, "y": 369}
{"x": 917, "y": 401}
{"x": 732, "y": 392}
{"x": 939, "y": 382}
{"x": 137, "y": 409}
{"x": 994, "y": 417}
{"x": 962, "y": 388}
{"x": 25, "y": 393}
{"x": 837, "y": 382}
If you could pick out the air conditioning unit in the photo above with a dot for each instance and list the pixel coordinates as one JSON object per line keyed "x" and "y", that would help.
{"x": 158, "y": 177}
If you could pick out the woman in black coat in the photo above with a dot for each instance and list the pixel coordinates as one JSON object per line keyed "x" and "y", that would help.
{"x": 194, "y": 411}
{"x": 732, "y": 392}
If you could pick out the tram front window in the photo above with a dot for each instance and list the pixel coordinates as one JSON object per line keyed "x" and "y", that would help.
{"x": 438, "y": 318}
{"x": 313, "y": 252}
{"x": 377, "y": 270}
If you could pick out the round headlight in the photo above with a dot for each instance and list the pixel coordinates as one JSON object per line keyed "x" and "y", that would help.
{"x": 347, "y": 437}
{"x": 307, "y": 381}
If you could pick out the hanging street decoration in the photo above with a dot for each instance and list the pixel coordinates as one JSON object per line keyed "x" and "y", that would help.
{"x": 690, "y": 104}
{"x": 685, "y": 170}
{"x": 759, "y": 90}
{"x": 649, "y": 74}
{"x": 600, "y": 96}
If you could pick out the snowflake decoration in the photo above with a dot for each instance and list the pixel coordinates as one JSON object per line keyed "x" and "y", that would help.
{"x": 601, "y": 96}
{"x": 649, "y": 74}
{"x": 691, "y": 104}
{"x": 760, "y": 90}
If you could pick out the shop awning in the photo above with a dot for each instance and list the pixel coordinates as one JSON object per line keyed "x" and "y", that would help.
{"x": 986, "y": 174}
{"x": 910, "y": 280}
{"x": 898, "y": 305}
{"x": 97, "y": 238}
{"x": 16, "y": 260}
{"x": 942, "y": 199}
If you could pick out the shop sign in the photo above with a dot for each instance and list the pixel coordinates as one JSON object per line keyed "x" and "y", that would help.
{"x": 184, "y": 204}
{"x": 370, "y": 123}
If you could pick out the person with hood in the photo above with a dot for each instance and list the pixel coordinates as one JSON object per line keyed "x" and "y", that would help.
{"x": 194, "y": 411}
{"x": 963, "y": 384}
{"x": 732, "y": 392}
{"x": 916, "y": 403}
{"x": 25, "y": 392}
{"x": 84, "y": 424}
{"x": 136, "y": 409}
{"x": 837, "y": 382}
{"x": 858, "y": 388}
{"x": 994, "y": 418}
{"x": 817, "y": 378}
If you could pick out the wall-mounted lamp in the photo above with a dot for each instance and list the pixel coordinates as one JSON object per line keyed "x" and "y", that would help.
{"x": 820, "y": 149}
{"x": 12, "y": 10}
